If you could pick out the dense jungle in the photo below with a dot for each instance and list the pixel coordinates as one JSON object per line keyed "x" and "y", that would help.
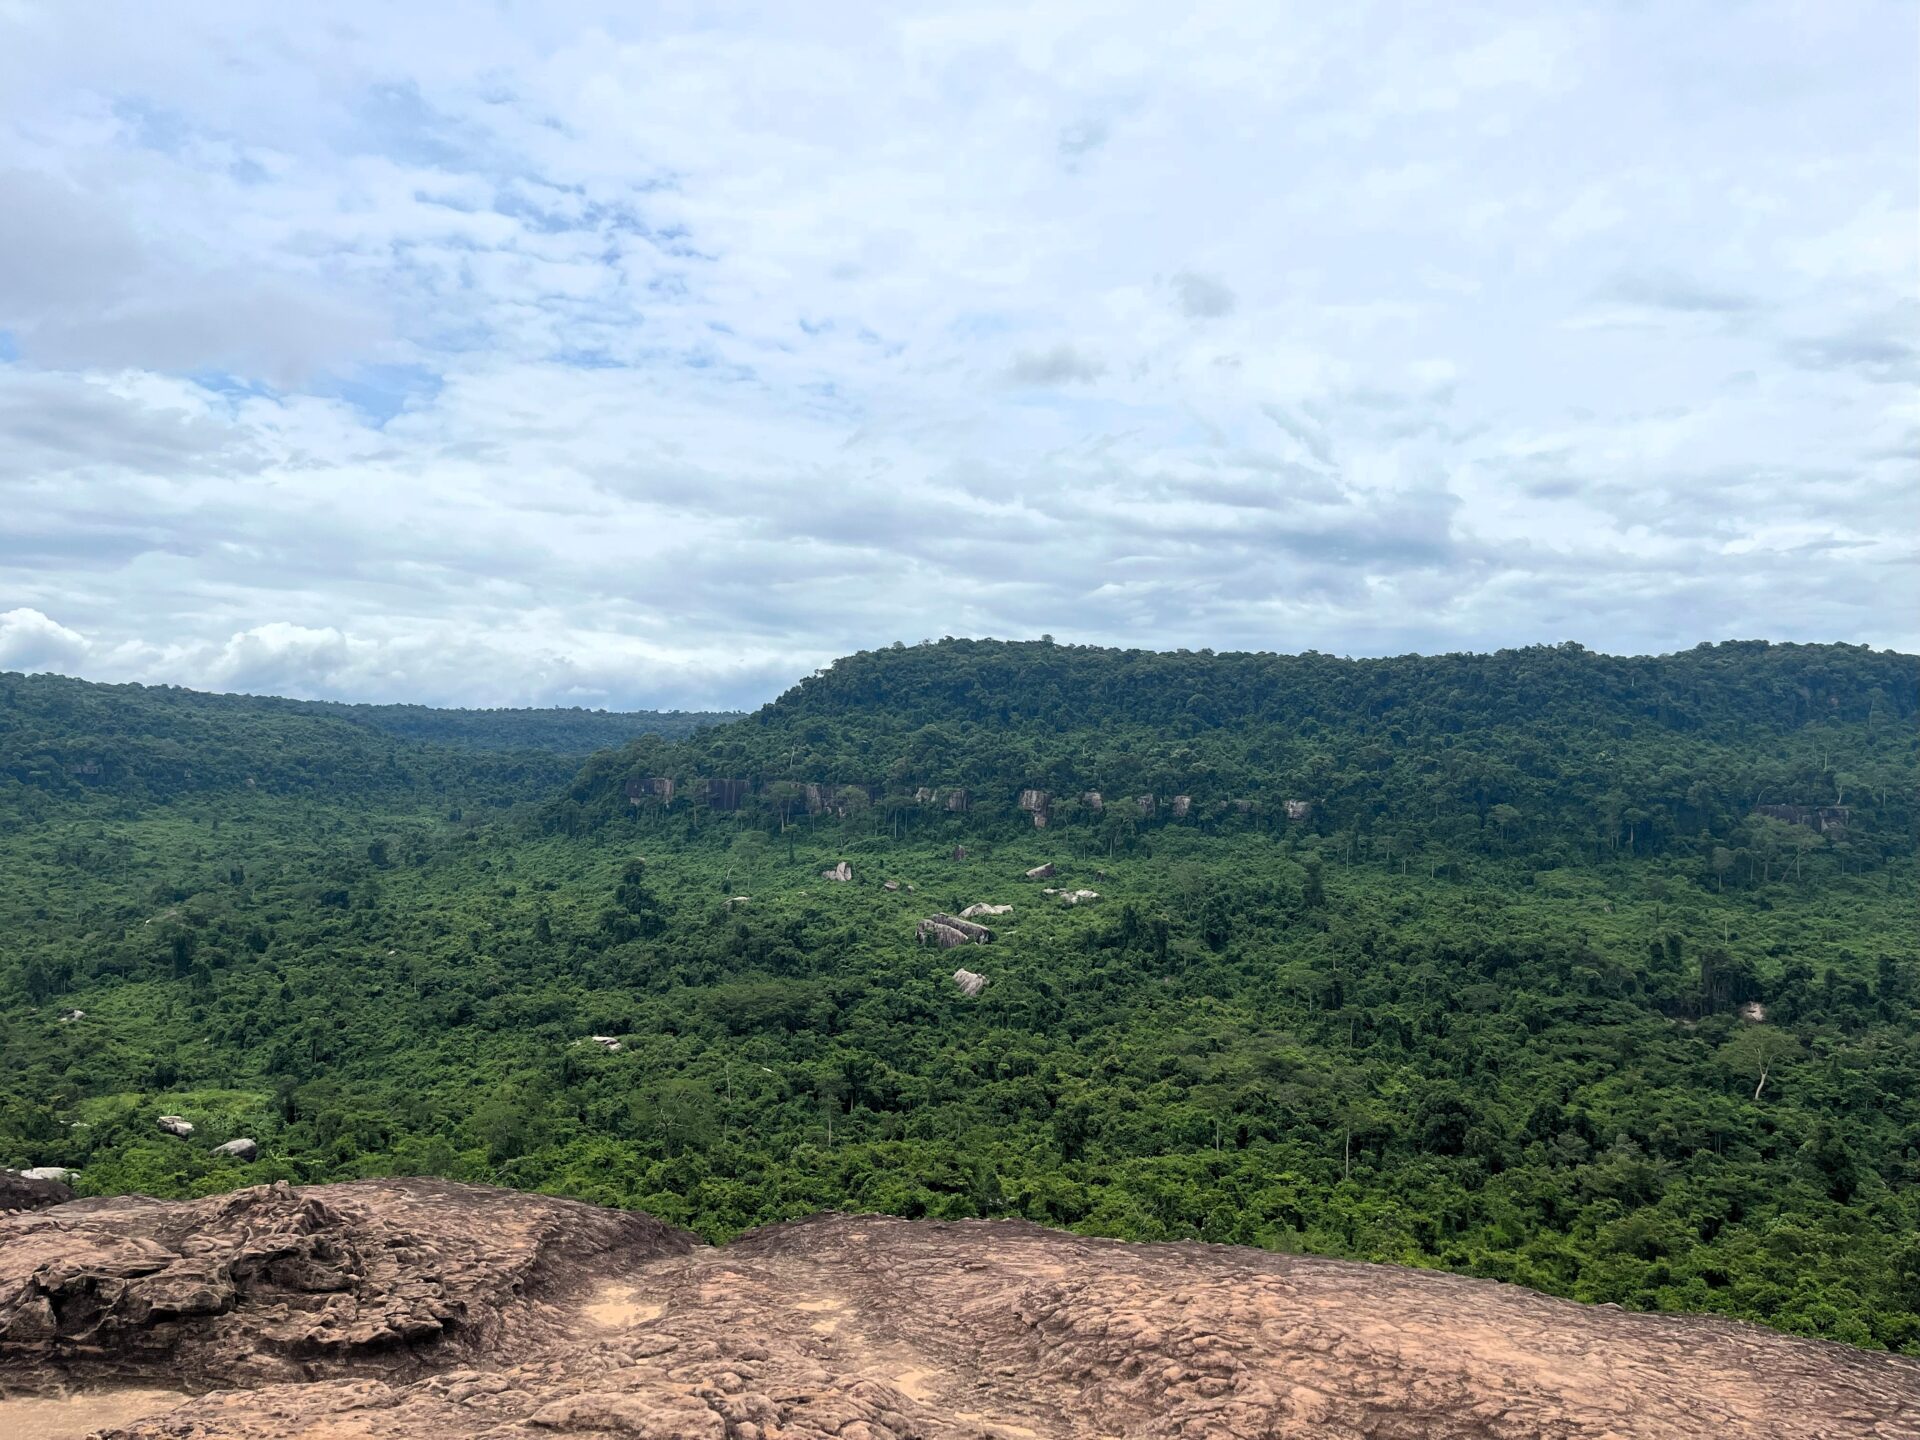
{"x": 1594, "y": 974}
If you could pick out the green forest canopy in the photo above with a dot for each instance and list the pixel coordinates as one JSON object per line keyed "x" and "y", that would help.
{"x": 1590, "y": 973}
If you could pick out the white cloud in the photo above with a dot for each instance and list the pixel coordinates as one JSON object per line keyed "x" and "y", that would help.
{"x": 30, "y": 641}
{"x": 500, "y": 355}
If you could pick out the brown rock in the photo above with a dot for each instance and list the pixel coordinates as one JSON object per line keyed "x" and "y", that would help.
{"x": 271, "y": 1283}
{"x": 871, "y": 1328}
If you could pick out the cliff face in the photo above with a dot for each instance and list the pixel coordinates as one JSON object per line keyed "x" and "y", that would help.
{"x": 424, "y": 1309}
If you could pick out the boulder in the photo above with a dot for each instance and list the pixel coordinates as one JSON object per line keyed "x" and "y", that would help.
{"x": 841, "y": 872}
{"x": 890, "y": 885}
{"x": 968, "y": 983}
{"x": 959, "y": 853}
{"x": 1181, "y": 805}
{"x": 175, "y": 1125}
{"x": 950, "y": 930}
{"x": 67, "y": 1017}
{"x": 241, "y": 1149}
{"x": 1299, "y": 809}
{"x": 1078, "y": 897}
{"x": 22, "y": 1192}
{"x": 59, "y": 1174}
{"x": 1041, "y": 872}
{"x": 608, "y": 1043}
{"x": 973, "y": 910}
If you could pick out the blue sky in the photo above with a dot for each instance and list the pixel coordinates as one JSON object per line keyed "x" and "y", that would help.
{"x": 655, "y": 354}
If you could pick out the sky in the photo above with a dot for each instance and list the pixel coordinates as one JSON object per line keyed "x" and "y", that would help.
{"x": 640, "y": 355}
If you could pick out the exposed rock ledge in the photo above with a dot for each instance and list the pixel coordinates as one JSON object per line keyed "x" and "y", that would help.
{"x": 415, "y": 1309}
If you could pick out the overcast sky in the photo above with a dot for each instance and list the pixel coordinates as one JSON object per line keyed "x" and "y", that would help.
{"x": 642, "y": 355}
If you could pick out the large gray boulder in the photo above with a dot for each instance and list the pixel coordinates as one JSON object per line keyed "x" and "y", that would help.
{"x": 948, "y": 931}
{"x": 175, "y": 1125}
{"x": 241, "y": 1149}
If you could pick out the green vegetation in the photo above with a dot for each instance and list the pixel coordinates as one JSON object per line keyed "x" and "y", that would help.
{"x": 573, "y": 731}
{"x": 1488, "y": 1003}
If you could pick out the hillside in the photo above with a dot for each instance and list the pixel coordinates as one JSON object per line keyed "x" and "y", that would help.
{"x": 1555, "y": 753}
{"x": 569, "y": 731}
{"x": 69, "y": 738}
{"x": 1595, "y": 975}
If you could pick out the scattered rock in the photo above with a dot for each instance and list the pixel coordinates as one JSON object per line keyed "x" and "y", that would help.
{"x": 1182, "y": 804}
{"x": 175, "y": 1125}
{"x": 1078, "y": 897}
{"x": 890, "y": 885}
{"x": 1753, "y": 1012}
{"x": 608, "y": 1043}
{"x": 1299, "y": 809}
{"x": 59, "y": 1174}
{"x": 1041, "y": 872}
{"x": 67, "y": 1017}
{"x": 968, "y": 983}
{"x": 973, "y": 910}
{"x": 841, "y": 872}
{"x": 240, "y": 1149}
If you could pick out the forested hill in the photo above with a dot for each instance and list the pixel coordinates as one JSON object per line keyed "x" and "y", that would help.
{"x": 1552, "y": 751}
{"x": 64, "y": 737}
{"x": 1591, "y": 974}
{"x": 571, "y": 731}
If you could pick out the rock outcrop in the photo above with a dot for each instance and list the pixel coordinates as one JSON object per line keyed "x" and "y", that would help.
{"x": 419, "y": 1310}
{"x": 842, "y": 872}
{"x": 175, "y": 1125}
{"x": 1041, "y": 872}
{"x": 969, "y": 982}
{"x": 245, "y": 1149}
{"x": 272, "y": 1284}
{"x": 948, "y": 931}
{"x": 1823, "y": 818}
{"x": 27, "y": 1190}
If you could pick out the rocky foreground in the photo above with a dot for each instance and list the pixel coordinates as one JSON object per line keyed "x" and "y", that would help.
{"x": 419, "y": 1308}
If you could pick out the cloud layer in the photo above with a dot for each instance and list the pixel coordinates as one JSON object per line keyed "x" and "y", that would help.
{"x": 649, "y": 356}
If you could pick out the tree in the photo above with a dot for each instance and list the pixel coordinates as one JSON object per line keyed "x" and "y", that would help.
{"x": 1757, "y": 1050}
{"x": 636, "y": 912}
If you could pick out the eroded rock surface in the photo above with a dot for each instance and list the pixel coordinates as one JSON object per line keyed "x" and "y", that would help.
{"x": 270, "y": 1283}
{"x": 864, "y": 1328}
